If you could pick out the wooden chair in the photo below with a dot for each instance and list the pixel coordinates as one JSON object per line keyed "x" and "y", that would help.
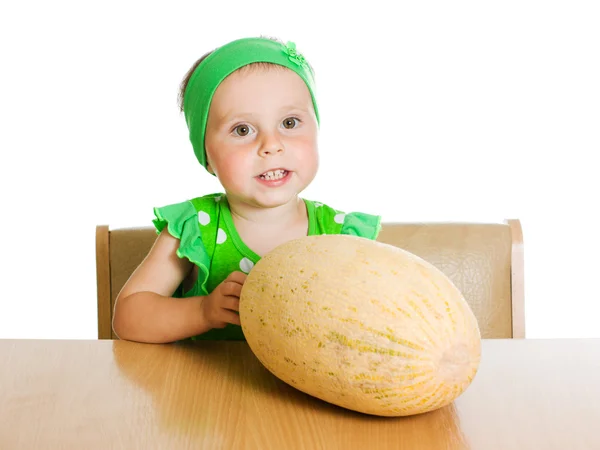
{"x": 484, "y": 260}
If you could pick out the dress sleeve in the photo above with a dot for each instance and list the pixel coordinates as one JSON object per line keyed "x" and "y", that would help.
{"x": 362, "y": 225}
{"x": 181, "y": 220}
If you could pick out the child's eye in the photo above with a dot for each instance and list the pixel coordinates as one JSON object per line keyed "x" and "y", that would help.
{"x": 242, "y": 130}
{"x": 290, "y": 122}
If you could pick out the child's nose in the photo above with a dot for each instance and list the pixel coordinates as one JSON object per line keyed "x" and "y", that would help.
{"x": 271, "y": 145}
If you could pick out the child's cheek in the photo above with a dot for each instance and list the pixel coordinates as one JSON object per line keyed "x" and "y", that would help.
{"x": 305, "y": 142}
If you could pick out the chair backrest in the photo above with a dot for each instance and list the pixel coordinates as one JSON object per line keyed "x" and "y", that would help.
{"x": 484, "y": 260}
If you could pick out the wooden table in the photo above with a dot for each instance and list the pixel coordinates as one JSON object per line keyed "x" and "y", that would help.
{"x": 528, "y": 394}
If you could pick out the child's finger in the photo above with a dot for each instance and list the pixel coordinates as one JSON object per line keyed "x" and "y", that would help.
{"x": 231, "y": 288}
{"x": 230, "y": 303}
{"x": 237, "y": 277}
{"x": 231, "y": 317}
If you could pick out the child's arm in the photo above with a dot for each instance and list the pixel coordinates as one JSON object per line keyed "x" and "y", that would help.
{"x": 145, "y": 310}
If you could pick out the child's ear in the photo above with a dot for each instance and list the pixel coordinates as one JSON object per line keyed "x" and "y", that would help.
{"x": 209, "y": 167}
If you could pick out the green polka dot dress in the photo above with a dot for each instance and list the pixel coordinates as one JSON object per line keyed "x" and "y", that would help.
{"x": 208, "y": 238}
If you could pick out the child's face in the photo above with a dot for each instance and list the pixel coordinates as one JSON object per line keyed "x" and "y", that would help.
{"x": 262, "y": 120}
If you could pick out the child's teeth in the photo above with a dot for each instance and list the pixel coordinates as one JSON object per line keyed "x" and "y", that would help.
{"x": 273, "y": 174}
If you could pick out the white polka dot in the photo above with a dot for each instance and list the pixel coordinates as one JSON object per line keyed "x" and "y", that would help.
{"x": 217, "y": 198}
{"x": 317, "y": 204}
{"x": 339, "y": 218}
{"x": 221, "y": 236}
{"x": 246, "y": 265}
{"x": 203, "y": 218}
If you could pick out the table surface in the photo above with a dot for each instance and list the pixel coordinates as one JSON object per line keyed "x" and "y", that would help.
{"x": 528, "y": 394}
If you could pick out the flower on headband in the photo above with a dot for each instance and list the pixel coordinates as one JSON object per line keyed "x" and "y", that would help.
{"x": 293, "y": 55}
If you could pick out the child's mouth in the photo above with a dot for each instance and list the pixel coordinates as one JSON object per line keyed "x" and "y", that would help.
{"x": 273, "y": 175}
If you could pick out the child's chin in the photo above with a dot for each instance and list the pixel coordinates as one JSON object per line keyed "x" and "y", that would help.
{"x": 274, "y": 201}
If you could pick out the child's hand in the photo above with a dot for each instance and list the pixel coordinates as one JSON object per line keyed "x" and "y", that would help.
{"x": 222, "y": 305}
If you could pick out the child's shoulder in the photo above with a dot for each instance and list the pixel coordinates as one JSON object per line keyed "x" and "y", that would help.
{"x": 175, "y": 216}
{"x": 208, "y": 200}
{"x": 182, "y": 221}
{"x": 330, "y": 220}
{"x": 206, "y": 203}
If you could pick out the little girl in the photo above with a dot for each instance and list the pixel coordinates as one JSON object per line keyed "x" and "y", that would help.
{"x": 253, "y": 122}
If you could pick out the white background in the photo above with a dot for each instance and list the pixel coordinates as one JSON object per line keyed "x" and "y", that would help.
{"x": 431, "y": 111}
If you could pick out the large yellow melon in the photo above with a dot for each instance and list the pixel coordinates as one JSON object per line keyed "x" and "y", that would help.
{"x": 361, "y": 324}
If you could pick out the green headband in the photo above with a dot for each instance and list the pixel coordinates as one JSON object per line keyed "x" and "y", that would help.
{"x": 222, "y": 62}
